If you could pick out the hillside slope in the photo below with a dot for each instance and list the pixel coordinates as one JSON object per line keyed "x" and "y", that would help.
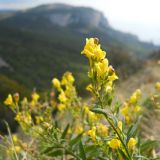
{"x": 46, "y": 41}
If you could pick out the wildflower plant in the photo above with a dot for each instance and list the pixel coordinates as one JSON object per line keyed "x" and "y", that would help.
{"x": 66, "y": 127}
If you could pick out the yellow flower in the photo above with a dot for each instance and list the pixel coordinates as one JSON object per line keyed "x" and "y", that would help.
{"x": 102, "y": 129}
{"x": 92, "y": 133}
{"x": 61, "y": 107}
{"x": 102, "y": 67}
{"x": 89, "y": 88}
{"x": 18, "y": 149}
{"x": 92, "y": 116}
{"x": 56, "y": 83}
{"x": 15, "y": 139}
{"x": 47, "y": 125}
{"x": 135, "y": 96}
{"x": 70, "y": 77}
{"x": 23, "y": 118}
{"x": 78, "y": 129}
{"x": 157, "y": 86}
{"x": 137, "y": 109}
{"x": 89, "y": 48}
{"x": 86, "y": 109}
{"x": 108, "y": 88}
{"x": 39, "y": 119}
{"x": 9, "y": 100}
{"x": 125, "y": 110}
{"x": 99, "y": 54}
{"x": 112, "y": 77}
{"x": 62, "y": 97}
{"x": 120, "y": 125}
{"x": 93, "y": 50}
{"x": 115, "y": 143}
{"x": 35, "y": 97}
{"x": 24, "y": 101}
{"x": 128, "y": 119}
{"x": 131, "y": 143}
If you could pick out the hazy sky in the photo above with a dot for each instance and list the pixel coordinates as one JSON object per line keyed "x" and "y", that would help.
{"x": 141, "y": 17}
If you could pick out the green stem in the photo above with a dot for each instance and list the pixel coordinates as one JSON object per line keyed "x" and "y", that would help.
{"x": 10, "y": 136}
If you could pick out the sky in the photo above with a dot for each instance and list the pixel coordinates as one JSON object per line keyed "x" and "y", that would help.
{"x": 140, "y": 17}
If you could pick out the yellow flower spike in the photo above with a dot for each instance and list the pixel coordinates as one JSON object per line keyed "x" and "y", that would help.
{"x": 102, "y": 129}
{"x": 61, "y": 107}
{"x": 125, "y": 110}
{"x": 56, "y": 83}
{"x": 24, "y": 119}
{"x": 137, "y": 109}
{"x": 135, "y": 96}
{"x": 62, "y": 97}
{"x": 92, "y": 133}
{"x": 133, "y": 99}
{"x": 35, "y": 97}
{"x": 157, "y": 86}
{"x": 92, "y": 50}
{"x": 115, "y": 143}
{"x": 120, "y": 125}
{"x": 131, "y": 143}
{"x": 9, "y": 100}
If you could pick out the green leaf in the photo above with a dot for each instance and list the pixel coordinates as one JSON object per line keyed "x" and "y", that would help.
{"x": 132, "y": 131}
{"x": 82, "y": 152}
{"x": 56, "y": 153}
{"x": 91, "y": 148}
{"x": 142, "y": 157}
{"x": 102, "y": 158}
{"x": 123, "y": 154}
{"x": 76, "y": 139}
{"x": 149, "y": 145}
{"x": 99, "y": 111}
{"x": 50, "y": 148}
{"x": 65, "y": 131}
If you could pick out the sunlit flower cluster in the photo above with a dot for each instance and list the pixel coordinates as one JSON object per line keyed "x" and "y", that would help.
{"x": 131, "y": 109}
{"x": 101, "y": 73}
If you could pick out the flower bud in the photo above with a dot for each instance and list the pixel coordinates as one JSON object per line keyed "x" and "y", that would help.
{"x": 16, "y": 97}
